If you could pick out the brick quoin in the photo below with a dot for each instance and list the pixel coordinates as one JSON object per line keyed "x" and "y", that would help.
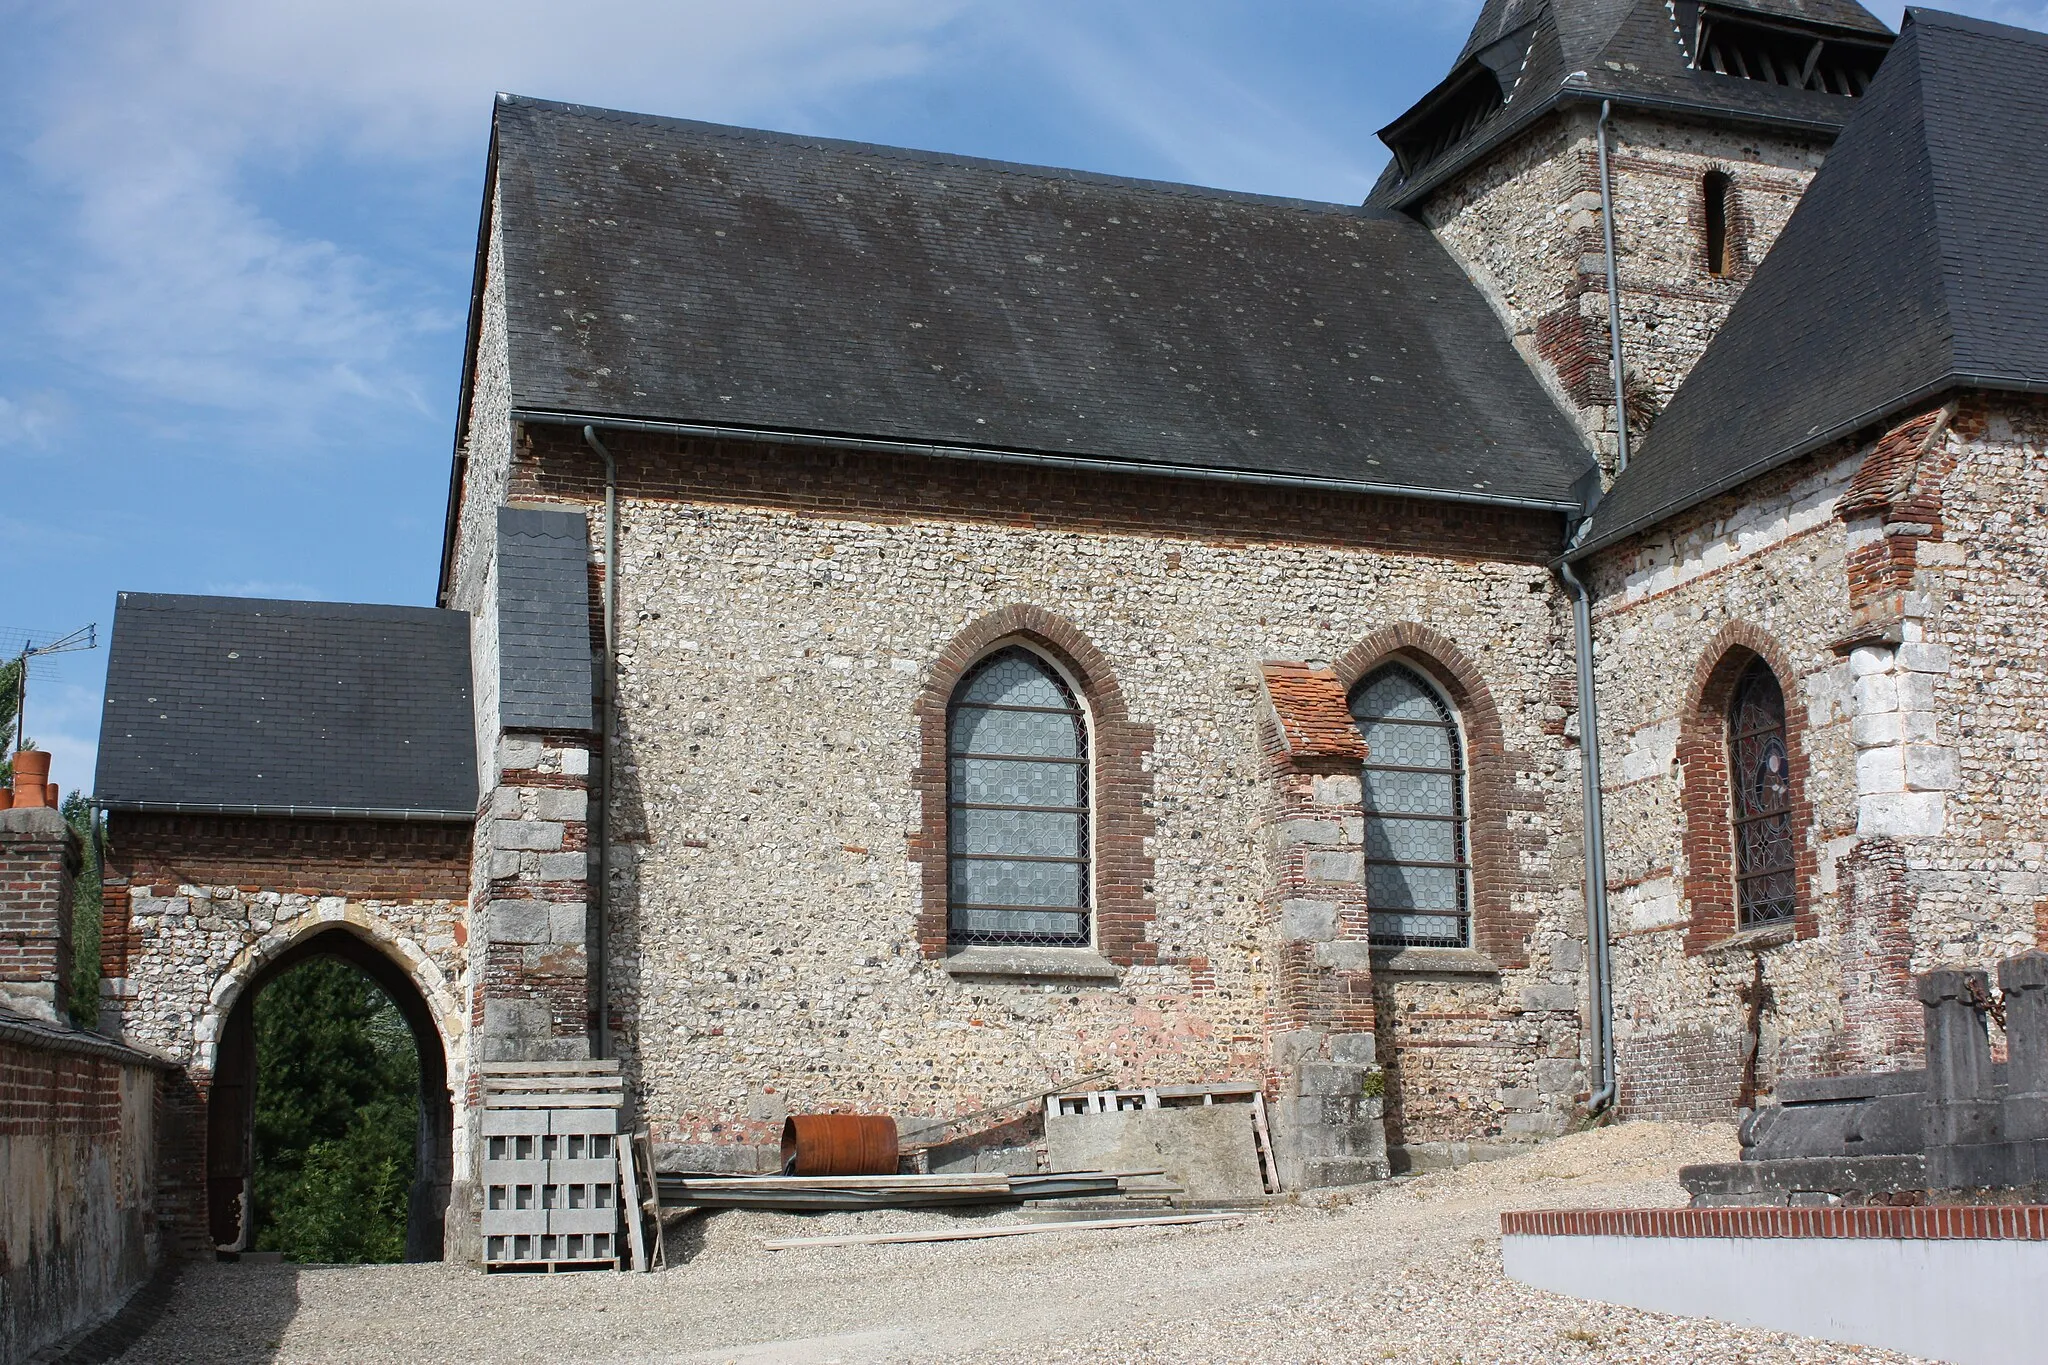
{"x": 1707, "y": 799}
{"x": 1120, "y": 801}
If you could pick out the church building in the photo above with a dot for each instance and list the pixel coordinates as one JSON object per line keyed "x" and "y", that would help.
{"x": 914, "y": 632}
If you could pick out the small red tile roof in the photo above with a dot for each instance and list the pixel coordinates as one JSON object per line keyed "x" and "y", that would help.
{"x": 1314, "y": 719}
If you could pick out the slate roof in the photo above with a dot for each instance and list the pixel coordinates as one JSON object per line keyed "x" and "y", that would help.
{"x": 687, "y": 272}
{"x": 1549, "y": 52}
{"x": 544, "y": 656}
{"x": 1916, "y": 262}
{"x": 238, "y": 704}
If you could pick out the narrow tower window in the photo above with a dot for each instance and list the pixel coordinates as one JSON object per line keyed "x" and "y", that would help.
{"x": 1714, "y": 187}
{"x": 1760, "y": 769}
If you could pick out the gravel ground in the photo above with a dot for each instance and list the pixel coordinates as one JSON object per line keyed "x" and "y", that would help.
{"x": 1405, "y": 1272}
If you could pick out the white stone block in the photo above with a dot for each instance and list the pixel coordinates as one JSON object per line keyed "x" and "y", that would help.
{"x": 1901, "y": 815}
{"x": 1916, "y": 691}
{"x": 1882, "y": 728}
{"x": 1877, "y": 692}
{"x": 1341, "y": 789}
{"x": 576, "y": 762}
{"x": 1865, "y": 660}
{"x": 1307, "y": 921}
{"x": 1930, "y": 768}
{"x": 561, "y": 803}
{"x": 1880, "y": 770}
{"x": 1653, "y": 904}
{"x": 518, "y": 753}
{"x": 1919, "y": 727}
{"x": 1918, "y": 658}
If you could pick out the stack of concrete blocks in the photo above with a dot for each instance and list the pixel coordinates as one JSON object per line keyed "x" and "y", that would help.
{"x": 40, "y": 857}
{"x": 1965, "y": 1123}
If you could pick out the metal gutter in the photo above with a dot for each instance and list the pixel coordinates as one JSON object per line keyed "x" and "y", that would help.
{"x": 1839, "y": 431}
{"x": 1613, "y": 295}
{"x": 878, "y": 445}
{"x": 1437, "y": 174}
{"x": 601, "y": 837}
{"x": 1600, "y": 980}
{"x": 392, "y": 813}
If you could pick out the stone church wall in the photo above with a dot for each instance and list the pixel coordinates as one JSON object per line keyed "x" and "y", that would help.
{"x": 1890, "y": 588}
{"x": 783, "y": 611}
{"x": 1526, "y": 226}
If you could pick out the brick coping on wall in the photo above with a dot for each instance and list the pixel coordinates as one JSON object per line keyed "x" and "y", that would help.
{"x": 34, "y": 1033}
{"x": 1957, "y": 1222}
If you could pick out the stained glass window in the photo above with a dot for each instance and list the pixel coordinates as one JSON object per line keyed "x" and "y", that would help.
{"x": 1417, "y": 868}
{"x": 1760, "y": 771}
{"x": 1017, "y": 805}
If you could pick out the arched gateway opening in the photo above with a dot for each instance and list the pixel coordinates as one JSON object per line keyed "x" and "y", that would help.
{"x": 232, "y": 1098}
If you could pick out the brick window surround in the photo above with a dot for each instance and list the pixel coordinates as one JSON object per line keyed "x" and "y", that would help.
{"x": 1122, "y": 900}
{"x": 1499, "y": 930}
{"x": 1707, "y": 801}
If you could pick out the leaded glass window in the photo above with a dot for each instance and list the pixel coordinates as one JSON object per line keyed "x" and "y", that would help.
{"x": 1760, "y": 767}
{"x": 1418, "y": 874}
{"x": 1017, "y": 805}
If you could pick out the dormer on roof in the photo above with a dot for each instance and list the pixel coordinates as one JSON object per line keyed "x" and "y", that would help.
{"x": 1802, "y": 53}
{"x": 1475, "y": 92}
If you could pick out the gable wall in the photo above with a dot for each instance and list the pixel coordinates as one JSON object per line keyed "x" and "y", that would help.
{"x": 782, "y": 614}
{"x": 1526, "y": 226}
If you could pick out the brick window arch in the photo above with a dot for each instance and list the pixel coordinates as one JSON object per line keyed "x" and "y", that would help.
{"x": 1738, "y": 723}
{"x": 1120, "y": 820}
{"x": 1498, "y": 928}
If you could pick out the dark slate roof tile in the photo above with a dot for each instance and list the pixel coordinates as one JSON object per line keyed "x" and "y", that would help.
{"x": 242, "y": 703}
{"x": 1917, "y": 262}
{"x": 544, "y": 673}
{"x": 687, "y": 272}
{"x": 1629, "y": 51}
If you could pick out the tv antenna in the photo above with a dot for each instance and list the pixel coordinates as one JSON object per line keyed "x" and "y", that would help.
{"x": 85, "y": 637}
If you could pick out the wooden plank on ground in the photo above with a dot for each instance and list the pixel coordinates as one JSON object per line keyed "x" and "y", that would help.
{"x": 1006, "y": 1230}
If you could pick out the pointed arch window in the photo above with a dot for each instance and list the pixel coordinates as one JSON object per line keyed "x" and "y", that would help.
{"x": 1760, "y": 769}
{"x": 1017, "y": 805}
{"x": 1418, "y": 871}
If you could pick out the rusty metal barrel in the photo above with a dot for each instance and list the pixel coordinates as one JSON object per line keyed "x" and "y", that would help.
{"x": 839, "y": 1144}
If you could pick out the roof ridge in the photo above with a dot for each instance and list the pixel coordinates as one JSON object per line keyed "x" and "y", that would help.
{"x": 918, "y": 155}
{"x": 1965, "y": 23}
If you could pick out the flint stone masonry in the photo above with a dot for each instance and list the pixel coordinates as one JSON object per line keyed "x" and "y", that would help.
{"x": 1526, "y": 225}
{"x": 1920, "y": 841}
{"x": 775, "y": 638}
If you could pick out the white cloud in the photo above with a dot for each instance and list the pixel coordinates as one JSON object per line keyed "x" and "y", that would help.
{"x": 29, "y": 419}
{"x": 158, "y": 132}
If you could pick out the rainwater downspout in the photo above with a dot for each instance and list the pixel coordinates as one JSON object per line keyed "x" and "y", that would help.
{"x": 1601, "y": 980}
{"x": 1613, "y": 296}
{"x": 601, "y": 836}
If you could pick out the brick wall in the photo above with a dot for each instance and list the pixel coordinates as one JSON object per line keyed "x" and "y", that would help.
{"x": 79, "y": 1223}
{"x": 40, "y": 858}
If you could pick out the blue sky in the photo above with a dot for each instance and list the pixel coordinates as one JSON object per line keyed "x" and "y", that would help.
{"x": 239, "y": 232}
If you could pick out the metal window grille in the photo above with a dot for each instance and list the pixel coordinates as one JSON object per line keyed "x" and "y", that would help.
{"x": 1760, "y": 769}
{"x": 1418, "y": 873}
{"x": 1017, "y": 805}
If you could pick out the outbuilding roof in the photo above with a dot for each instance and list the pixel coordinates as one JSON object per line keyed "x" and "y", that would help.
{"x": 664, "y": 270}
{"x": 241, "y": 705}
{"x": 1916, "y": 263}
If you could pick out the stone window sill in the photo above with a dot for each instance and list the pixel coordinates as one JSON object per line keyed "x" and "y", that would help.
{"x": 1030, "y": 964}
{"x": 1752, "y": 941}
{"x": 1435, "y": 961}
